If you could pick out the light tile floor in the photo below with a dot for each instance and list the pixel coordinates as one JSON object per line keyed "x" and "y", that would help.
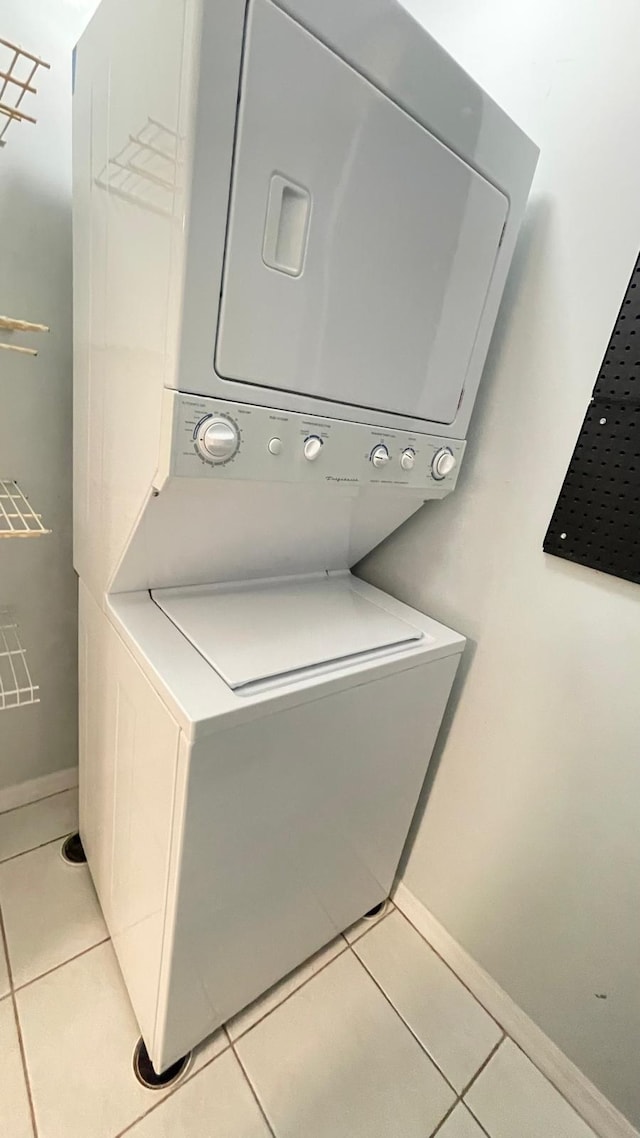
{"x": 373, "y": 1037}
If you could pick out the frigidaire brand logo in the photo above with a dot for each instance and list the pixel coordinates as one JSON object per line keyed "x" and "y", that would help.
{"x": 332, "y": 478}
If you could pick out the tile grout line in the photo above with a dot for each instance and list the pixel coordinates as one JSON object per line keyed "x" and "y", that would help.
{"x": 44, "y": 798}
{"x": 178, "y": 1086}
{"x": 452, "y": 970}
{"x": 77, "y": 955}
{"x": 253, "y": 1090}
{"x": 57, "y": 967}
{"x": 347, "y": 945}
{"x": 496, "y": 1047}
{"x": 40, "y": 846}
{"x": 23, "y": 1055}
{"x": 548, "y": 1080}
{"x": 475, "y": 1077}
{"x": 408, "y": 1027}
{"x": 230, "y": 1045}
{"x": 460, "y": 1095}
{"x": 454, "y": 1106}
{"x": 505, "y": 1033}
{"x": 476, "y": 1119}
{"x": 284, "y": 999}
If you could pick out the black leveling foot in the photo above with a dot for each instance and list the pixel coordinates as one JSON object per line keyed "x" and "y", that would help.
{"x": 146, "y": 1074}
{"x": 73, "y": 850}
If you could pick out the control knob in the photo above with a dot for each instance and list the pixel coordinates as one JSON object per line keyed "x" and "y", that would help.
{"x": 312, "y": 447}
{"x": 408, "y": 459}
{"x": 443, "y": 463}
{"x": 217, "y": 439}
{"x": 379, "y": 455}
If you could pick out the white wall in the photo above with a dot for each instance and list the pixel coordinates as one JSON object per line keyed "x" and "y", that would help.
{"x": 36, "y": 576}
{"x": 529, "y": 849}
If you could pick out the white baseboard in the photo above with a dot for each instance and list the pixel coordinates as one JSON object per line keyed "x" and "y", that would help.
{"x": 26, "y": 792}
{"x": 586, "y": 1100}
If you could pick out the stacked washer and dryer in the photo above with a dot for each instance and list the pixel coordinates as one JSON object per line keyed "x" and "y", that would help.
{"x": 293, "y": 222}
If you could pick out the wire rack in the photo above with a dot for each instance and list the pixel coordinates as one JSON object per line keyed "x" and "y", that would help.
{"x": 10, "y": 324}
{"x": 18, "y": 70}
{"x": 16, "y": 686}
{"x": 17, "y": 517}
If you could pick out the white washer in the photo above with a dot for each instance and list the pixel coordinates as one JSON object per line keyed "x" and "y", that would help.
{"x": 266, "y": 747}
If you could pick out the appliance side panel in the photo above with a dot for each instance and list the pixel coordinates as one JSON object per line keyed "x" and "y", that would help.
{"x": 222, "y": 31}
{"x": 133, "y": 103}
{"x": 89, "y": 138}
{"x": 127, "y": 779}
{"x": 95, "y": 770}
{"x": 288, "y": 870}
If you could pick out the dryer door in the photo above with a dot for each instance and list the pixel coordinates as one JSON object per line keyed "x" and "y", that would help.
{"x": 359, "y": 248}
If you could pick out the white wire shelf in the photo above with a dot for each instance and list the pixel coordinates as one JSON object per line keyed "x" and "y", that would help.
{"x": 17, "y": 689}
{"x": 17, "y": 517}
{"x": 18, "y": 70}
{"x": 12, "y": 324}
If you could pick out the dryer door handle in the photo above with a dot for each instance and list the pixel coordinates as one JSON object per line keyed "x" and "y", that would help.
{"x": 286, "y": 226}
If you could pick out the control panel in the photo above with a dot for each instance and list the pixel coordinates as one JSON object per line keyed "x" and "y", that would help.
{"x": 220, "y": 439}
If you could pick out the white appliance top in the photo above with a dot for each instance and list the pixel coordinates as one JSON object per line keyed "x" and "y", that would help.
{"x": 257, "y": 630}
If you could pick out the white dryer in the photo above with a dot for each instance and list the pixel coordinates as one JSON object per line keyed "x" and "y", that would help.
{"x": 293, "y": 221}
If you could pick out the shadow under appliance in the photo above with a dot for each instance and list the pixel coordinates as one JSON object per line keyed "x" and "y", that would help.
{"x": 292, "y": 227}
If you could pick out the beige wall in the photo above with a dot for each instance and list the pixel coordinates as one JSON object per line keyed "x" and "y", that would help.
{"x": 529, "y": 848}
{"x": 36, "y": 576}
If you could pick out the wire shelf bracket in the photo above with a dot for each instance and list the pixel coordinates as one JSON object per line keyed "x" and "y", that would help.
{"x": 17, "y": 517}
{"x": 18, "y": 70}
{"x": 17, "y": 689}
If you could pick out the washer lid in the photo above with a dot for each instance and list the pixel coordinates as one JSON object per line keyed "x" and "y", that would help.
{"x": 258, "y": 630}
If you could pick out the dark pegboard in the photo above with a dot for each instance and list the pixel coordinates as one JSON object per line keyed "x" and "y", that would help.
{"x": 619, "y": 375}
{"x": 596, "y": 521}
